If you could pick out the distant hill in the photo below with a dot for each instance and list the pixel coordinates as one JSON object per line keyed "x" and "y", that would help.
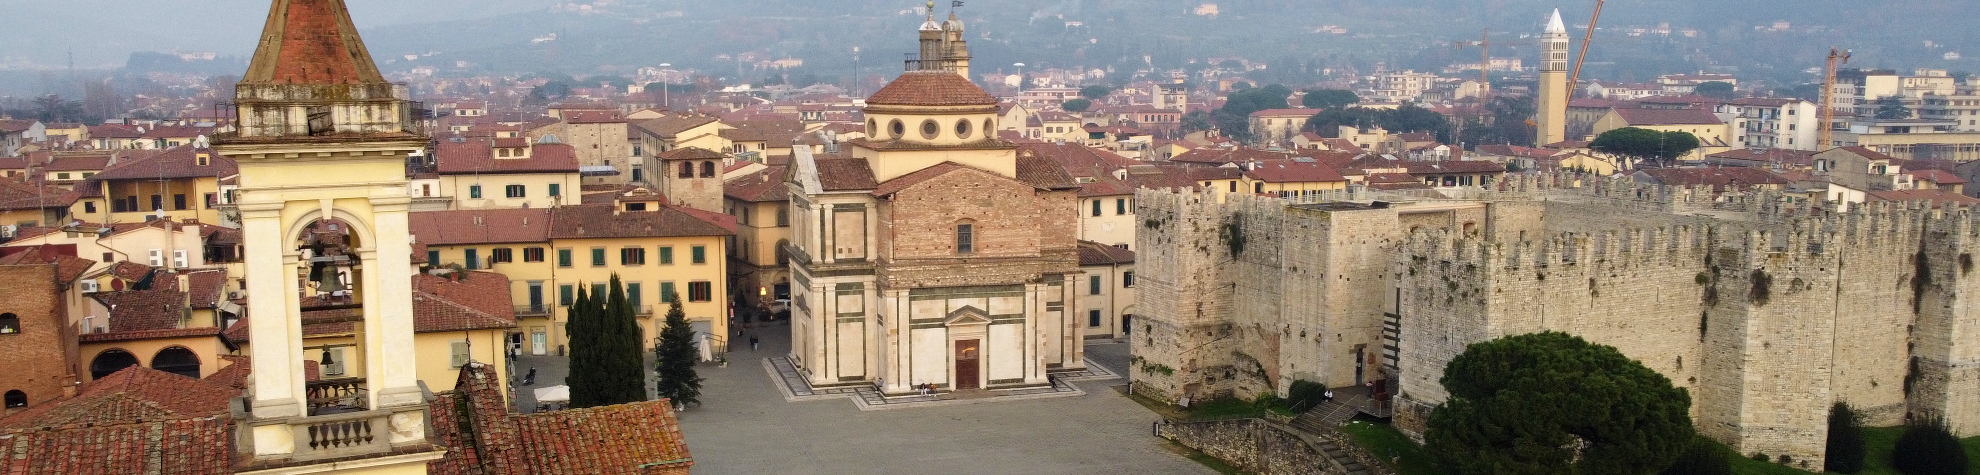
{"x": 616, "y": 36}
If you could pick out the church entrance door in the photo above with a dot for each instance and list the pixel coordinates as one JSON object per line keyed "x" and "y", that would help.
{"x": 966, "y": 359}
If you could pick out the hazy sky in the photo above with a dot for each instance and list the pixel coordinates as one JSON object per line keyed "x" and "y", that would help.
{"x": 105, "y": 32}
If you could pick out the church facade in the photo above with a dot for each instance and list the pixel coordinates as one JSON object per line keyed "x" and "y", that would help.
{"x": 931, "y": 252}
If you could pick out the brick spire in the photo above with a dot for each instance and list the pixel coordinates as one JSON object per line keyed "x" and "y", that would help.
{"x": 311, "y": 42}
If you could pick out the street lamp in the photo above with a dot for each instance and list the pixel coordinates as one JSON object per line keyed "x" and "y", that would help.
{"x": 1020, "y": 75}
{"x": 666, "y": 87}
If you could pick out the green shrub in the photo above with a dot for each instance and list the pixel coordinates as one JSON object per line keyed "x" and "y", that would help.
{"x": 1303, "y": 395}
{"x": 1928, "y": 448}
{"x": 1702, "y": 457}
{"x": 1845, "y": 451}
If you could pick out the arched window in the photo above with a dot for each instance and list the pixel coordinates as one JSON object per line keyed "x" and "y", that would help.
{"x": 687, "y": 169}
{"x": 708, "y": 169}
{"x": 965, "y": 237}
{"x": 110, "y": 361}
{"x": 16, "y": 399}
{"x": 783, "y": 254}
{"x": 177, "y": 360}
{"x": 872, "y": 128}
{"x": 9, "y": 324}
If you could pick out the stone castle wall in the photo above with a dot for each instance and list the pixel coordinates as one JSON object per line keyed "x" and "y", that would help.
{"x": 1767, "y": 312}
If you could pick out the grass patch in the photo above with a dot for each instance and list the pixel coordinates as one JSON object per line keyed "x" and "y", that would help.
{"x": 1213, "y": 463}
{"x": 1878, "y": 441}
{"x": 1391, "y": 446}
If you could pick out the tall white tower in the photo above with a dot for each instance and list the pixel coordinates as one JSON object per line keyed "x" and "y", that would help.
{"x": 1551, "y": 107}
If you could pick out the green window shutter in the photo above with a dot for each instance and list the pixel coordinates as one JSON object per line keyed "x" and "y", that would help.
{"x": 556, "y": 189}
{"x": 632, "y": 294}
{"x": 666, "y": 255}
{"x": 432, "y": 257}
{"x": 700, "y": 254}
{"x": 1093, "y": 285}
{"x": 563, "y": 258}
{"x": 598, "y": 257}
{"x": 474, "y": 191}
{"x": 598, "y": 291}
{"x": 566, "y": 295}
{"x": 667, "y": 291}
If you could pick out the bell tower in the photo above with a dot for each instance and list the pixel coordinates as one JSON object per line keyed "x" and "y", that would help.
{"x": 322, "y": 146}
{"x": 1551, "y": 111}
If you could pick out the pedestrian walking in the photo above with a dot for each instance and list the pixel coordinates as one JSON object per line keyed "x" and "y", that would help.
{"x": 753, "y": 342}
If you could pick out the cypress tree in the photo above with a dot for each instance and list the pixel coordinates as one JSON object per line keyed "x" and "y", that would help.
{"x": 578, "y": 327}
{"x": 674, "y": 358}
{"x": 622, "y": 378}
{"x": 1928, "y": 448}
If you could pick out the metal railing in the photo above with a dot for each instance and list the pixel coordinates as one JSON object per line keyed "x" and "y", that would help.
{"x": 533, "y": 310}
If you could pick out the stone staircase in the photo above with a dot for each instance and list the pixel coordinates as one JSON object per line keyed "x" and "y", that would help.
{"x": 1326, "y": 416}
{"x": 1321, "y": 425}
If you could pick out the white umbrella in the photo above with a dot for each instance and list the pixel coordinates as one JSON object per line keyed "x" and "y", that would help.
{"x": 553, "y": 394}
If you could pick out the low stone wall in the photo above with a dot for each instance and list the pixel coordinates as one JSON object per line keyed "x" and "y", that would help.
{"x": 1251, "y": 445}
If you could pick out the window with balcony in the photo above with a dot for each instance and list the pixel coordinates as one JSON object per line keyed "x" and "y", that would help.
{"x": 632, "y": 295}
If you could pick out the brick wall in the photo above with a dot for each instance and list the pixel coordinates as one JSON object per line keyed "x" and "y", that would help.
{"x": 46, "y": 338}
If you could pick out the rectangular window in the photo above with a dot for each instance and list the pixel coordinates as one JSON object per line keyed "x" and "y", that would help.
{"x": 501, "y": 255}
{"x": 632, "y": 256}
{"x": 432, "y": 257}
{"x": 666, "y": 255}
{"x": 211, "y": 199}
{"x": 564, "y": 257}
{"x": 1234, "y": 186}
{"x": 965, "y": 239}
{"x": 783, "y": 217}
{"x": 1092, "y": 318}
{"x": 598, "y": 291}
{"x": 667, "y": 292}
{"x": 1096, "y": 207}
{"x": 178, "y": 202}
{"x": 513, "y": 191}
{"x": 701, "y": 254}
{"x": 473, "y": 258}
{"x": 532, "y": 254}
{"x": 459, "y": 351}
{"x": 157, "y": 203}
{"x": 1120, "y": 206}
{"x": 556, "y": 189}
{"x": 89, "y": 207}
{"x": 1127, "y": 280}
{"x": 598, "y": 257}
{"x": 632, "y": 295}
{"x": 1093, "y": 285}
{"x": 566, "y": 295}
{"x": 474, "y": 191}
{"x": 701, "y": 291}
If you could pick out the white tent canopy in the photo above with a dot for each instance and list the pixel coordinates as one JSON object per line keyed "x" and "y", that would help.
{"x": 553, "y": 394}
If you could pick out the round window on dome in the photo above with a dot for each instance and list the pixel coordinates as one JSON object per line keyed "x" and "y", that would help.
{"x": 929, "y": 129}
{"x": 962, "y": 129}
{"x": 989, "y": 128}
{"x": 896, "y": 128}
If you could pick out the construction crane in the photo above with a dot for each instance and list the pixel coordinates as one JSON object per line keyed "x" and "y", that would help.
{"x": 1484, "y": 45}
{"x": 1836, "y": 58}
{"x": 1574, "y": 80}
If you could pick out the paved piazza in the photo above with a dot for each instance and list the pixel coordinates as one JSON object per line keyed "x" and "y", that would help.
{"x": 745, "y": 426}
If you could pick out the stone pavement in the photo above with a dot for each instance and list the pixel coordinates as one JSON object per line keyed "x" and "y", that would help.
{"x": 869, "y": 398}
{"x": 745, "y": 426}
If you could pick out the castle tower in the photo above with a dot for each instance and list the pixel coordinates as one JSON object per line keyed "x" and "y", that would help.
{"x": 322, "y": 145}
{"x": 691, "y": 177}
{"x": 1552, "y": 104}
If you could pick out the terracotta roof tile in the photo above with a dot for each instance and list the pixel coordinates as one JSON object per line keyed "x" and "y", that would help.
{"x": 182, "y": 446}
{"x": 1939, "y": 197}
{"x": 1043, "y": 173}
{"x": 1097, "y": 254}
{"x": 670, "y": 125}
{"x": 133, "y": 394}
{"x": 635, "y": 438}
{"x": 845, "y": 174}
{"x": 931, "y": 88}
{"x": 481, "y": 226}
{"x": 1720, "y": 179}
{"x": 20, "y": 195}
{"x": 1293, "y": 171}
{"x": 1641, "y": 117}
{"x": 478, "y": 301}
{"x": 594, "y": 221}
{"x": 1940, "y": 177}
{"x": 138, "y": 310}
{"x": 764, "y": 185}
{"x": 67, "y": 268}
{"x": 594, "y": 116}
{"x": 314, "y": 43}
{"x": 1453, "y": 166}
{"x": 471, "y": 156}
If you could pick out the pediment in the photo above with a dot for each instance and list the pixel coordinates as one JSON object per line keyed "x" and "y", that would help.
{"x": 967, "y": 315}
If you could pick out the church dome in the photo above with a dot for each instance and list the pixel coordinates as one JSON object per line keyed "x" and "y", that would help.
{"x": 931, "y": 88}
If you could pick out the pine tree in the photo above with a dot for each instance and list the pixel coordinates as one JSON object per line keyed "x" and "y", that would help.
{"x": 578, "y": 326}
{"x": 674, "y": 358}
